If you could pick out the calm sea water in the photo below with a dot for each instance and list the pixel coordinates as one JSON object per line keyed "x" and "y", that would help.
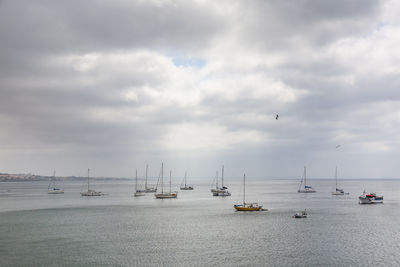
{"x": 197, "y": 229}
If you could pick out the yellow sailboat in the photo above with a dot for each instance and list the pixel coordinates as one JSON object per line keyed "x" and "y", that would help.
{"x": 247, "y": 206}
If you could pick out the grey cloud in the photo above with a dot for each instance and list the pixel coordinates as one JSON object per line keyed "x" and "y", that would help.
{"x": 292, "y": 24}
{"x": 79, "y": 27}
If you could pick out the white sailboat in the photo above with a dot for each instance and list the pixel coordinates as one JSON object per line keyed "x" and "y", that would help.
{"x": 163, "y": 194}
{"x": 307, "y": 188}
{"x": 147, "y": 189}
{"x": 186, "y": 187}
{"x": 137, "y": 193}
{"x": 338, "y": 191}
{"x": 90, "y": 192}
{"x": 223, "y": 190}
{"x": 216, "y": 184}
{"x": 52, "y": 189}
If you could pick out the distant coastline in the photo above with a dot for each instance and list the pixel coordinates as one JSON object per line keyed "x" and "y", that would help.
{"x": 7, "y": 177}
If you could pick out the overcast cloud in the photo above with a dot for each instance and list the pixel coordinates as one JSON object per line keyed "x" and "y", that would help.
{"x": 113, "y": 85}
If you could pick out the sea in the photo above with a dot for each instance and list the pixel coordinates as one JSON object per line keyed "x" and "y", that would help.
{"x": 197, "y": 229}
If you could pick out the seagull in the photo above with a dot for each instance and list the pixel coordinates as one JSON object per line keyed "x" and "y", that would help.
{"x": 276, "y": 117}
{"x": 337, "y": 146}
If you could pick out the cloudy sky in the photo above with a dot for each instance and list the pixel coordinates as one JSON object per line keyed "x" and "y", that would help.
{"x": 113, "y": 85}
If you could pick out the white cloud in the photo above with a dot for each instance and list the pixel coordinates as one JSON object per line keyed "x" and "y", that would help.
{"x": 207, "y": 137}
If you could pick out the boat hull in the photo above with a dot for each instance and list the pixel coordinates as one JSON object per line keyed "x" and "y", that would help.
{"x": 151, "y": 190}
{"x": 166, "y": 195}
{"x": 91, "y": 193}
{"x": 222, "y": 194}
{"x": 186, "y": 188}
{"x": 247, "y": 208}
{"x": 139, "y": 194}
{"x": 365, "y": 200}
{"x": 55, "y": 192}
{"x": 148, "y": 190}
{"x": 298, "y": 216}
{"x": 217, "y": 190}
{"x": 306, "y": 191}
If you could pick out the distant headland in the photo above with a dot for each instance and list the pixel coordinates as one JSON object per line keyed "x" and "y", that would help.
{"x": 7, "y": 177}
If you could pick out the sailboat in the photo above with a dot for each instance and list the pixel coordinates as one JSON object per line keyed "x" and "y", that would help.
{"x": 147, "y": 189}
{"x": 137, "y": 192}
{"x": 90, "y": 192}
{"x": 186, "y": 187}
{"x": 223, "y": 190}
{"x": 338, "y": 191}
{"x": 247, "y": 206}
{"x": 216, "y": 184}
{"x": 307, "y": 188}
{"x": 52, "y": 189}
{"x": 165, "y": 194}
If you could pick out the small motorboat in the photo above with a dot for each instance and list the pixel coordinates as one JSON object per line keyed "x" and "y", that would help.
{"x": 370, "y": 198}
{"x": 302, "y": 214}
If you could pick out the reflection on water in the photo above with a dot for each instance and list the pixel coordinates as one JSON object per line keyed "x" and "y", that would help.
{"x": 37, "y": 229}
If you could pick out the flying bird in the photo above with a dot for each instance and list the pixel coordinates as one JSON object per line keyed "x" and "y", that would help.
{"x": 337, "y": 146}
{"x": 276, "y": 117}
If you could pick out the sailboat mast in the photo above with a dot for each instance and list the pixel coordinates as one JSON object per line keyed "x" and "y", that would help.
{"x": 88, "y": 170}
{"x": 136, "y": 182}
{"x": 244, "y": 189}
{"x": 336, "y": 177}
{"x": 170, "y": 174}
{"x": 145, "y": 183}
{"x": 54, "y": 178}
{"x": 216, "y": 184}
{"x": 305, "y": 176}
{"x": 222, "y": 176}
{"x": 162, "y": 178}
{"x": 185, "y": 177}
{"x": 50, "y": 181}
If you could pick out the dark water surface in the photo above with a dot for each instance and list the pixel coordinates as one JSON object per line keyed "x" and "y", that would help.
{"x": 38, "y": 229}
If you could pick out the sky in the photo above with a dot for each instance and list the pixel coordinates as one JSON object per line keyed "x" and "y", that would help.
{"x": 115, "y": 85}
